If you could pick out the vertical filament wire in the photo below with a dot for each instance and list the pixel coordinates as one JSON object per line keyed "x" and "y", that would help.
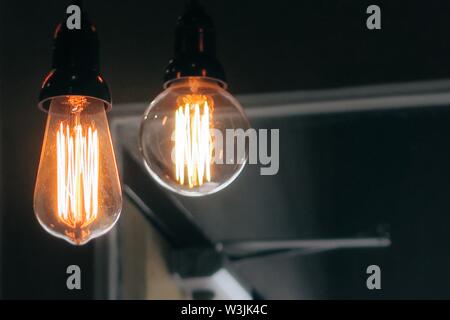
{"x": 77, "y": 174}
{"x": 193, "y": 141}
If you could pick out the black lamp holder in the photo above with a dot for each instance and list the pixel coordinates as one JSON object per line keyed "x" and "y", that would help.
{"x": 195, "y": 48}
{"x": 75, "y": 65}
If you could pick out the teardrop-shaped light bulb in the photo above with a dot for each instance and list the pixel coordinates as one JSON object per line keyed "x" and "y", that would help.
{"x": 77, "y": 195}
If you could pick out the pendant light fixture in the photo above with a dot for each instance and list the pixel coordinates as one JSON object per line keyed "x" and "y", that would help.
{"x": 77, "y": 195}
{"x": 191, "y": 134}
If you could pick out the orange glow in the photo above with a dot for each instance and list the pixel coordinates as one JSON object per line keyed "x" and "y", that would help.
{"x": 76, "y": 103}
{"x": 193, "y": 140}
{"x": 47, "y": 77}
{"x": 77, "y": 150}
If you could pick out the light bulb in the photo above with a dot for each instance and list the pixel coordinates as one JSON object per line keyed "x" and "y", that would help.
{"x": 77, "y": 195}
{"x": 186, "y": 134}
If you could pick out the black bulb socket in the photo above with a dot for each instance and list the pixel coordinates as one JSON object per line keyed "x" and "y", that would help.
{"x": 76, "y": 66}
{"x": 195, "y": 48}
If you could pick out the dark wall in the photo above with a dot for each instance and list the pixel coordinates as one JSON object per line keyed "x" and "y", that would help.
{"x": 264, "y": 46}
{"x": 381, "y": 168}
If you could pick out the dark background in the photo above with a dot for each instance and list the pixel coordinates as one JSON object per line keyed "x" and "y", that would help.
{"x": 264, "y": 46}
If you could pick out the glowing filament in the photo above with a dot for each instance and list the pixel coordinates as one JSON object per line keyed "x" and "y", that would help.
{"x": 78, "y": 174}
{"x": 193, "y": 141}
{"x": 77, "y": 103}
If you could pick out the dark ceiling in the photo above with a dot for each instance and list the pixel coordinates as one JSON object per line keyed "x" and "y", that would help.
{"x": 395, "y": 167}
